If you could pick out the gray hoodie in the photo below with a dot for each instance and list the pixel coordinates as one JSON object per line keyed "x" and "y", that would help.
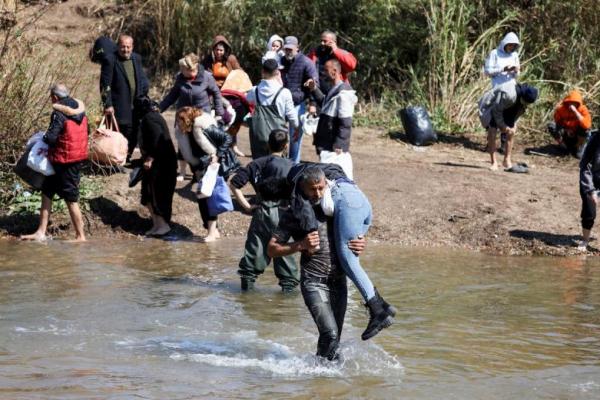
{"x": 499, "y": 58}
{"x": 493, "y": 103}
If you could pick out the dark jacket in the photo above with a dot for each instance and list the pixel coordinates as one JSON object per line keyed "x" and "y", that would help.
{"x": 295, "y": 73}
{"x": 335, "y": 120}
{"x": 589, "y": 166}
{"x": 114, "y": 86}
{"x": 195, "y": 93}
{"x": 320, "y": 56}
{"x": 260, "y": 169}
{"x": 67, "y": 135}
{"x": 156, "y": 140}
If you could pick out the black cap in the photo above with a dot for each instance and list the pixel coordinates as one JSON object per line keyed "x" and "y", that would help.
{"x": 270, "y": 65}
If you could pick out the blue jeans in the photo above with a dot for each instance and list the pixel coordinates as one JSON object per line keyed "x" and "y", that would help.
{"x": 351, "y": 218}
{"x": 327, "y": 304}
{"x": 296, "y": 145}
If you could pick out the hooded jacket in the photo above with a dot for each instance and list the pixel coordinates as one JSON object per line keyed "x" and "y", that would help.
{"x": 194, "y": 93}
{"x": 499, "y": 58}
{"x": 493, "y": 103}
{"x": 276, "y": 55}
{"x": 335, "y": 121}
{"x": 67, "y": 135}
{"x": 565, "y": 118}
{"x": 231, "y": 62}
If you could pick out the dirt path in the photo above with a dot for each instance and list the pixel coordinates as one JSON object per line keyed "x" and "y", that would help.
{"x": 442, "y": 195}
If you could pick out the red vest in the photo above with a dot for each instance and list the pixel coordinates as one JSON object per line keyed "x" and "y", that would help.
{"x": 72, "y": 144}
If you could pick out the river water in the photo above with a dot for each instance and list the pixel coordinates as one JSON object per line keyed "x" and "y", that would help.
{"x": 165, "y": 320}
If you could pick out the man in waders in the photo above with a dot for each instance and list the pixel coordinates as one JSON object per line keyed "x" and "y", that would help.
{"x": 273, "y": 106}
{"x": 265, "y": 216}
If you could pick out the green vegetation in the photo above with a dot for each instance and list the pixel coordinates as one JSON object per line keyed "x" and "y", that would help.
{"x": 428, "y": 52}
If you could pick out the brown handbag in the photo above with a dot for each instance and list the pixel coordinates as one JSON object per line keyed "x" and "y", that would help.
{"x": 108, "y": 146}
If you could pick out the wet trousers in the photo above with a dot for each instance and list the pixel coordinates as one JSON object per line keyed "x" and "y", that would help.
{"x": 588, "y": 211}
{"x": 327, "y": 303}
{"x": 264, "y": 221}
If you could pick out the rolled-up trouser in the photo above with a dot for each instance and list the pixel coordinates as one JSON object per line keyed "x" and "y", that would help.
{"x": 327, "y": 303}
{"x": 588, "y": 211}
{"x": 264, "y": 221}
{"x": 204, "y": 214}
{"x": 351, "y": 218}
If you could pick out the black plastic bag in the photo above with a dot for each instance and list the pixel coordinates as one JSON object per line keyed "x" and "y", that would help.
{"x": 417, "y": 126}
{"x": 23, "y": 171}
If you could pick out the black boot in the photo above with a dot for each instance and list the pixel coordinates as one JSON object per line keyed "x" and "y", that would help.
{"x": 247, "y": 285}
{"x": 390, "y": 309}
{"x": 380, "y": 316}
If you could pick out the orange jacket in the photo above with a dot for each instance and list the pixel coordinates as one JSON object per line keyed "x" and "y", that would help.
{"x": 564, "y": 117}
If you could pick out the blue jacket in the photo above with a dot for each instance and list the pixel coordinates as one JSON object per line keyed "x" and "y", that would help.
{"x": 114, "y": 86}
{"x": 295, "y": 73}
{"x": 196, "y": 93}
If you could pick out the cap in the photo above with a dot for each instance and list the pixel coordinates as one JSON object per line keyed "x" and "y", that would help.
{"x": 291, "y": 42}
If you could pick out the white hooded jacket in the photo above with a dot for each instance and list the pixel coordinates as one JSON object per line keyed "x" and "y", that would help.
{"x": 499, "y": 58}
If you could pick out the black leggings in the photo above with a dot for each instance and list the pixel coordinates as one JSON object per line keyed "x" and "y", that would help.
{"x": 327, "y": 305}
{"x": 588, "y": 211}
{"x": 206, "y": 217}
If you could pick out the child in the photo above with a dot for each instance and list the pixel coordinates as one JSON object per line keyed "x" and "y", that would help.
{"x": 310, "y": 120}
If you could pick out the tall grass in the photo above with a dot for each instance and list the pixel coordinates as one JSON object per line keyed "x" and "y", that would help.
{"x": 429, "y": 52}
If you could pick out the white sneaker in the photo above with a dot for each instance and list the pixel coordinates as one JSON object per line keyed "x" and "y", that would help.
{"x": 582, "y": 246}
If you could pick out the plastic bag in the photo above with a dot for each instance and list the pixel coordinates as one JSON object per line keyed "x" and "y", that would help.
{"x": 37, "y": 159}
{"x": 327, "y": 204}
{"x": 23, "y": 171}
{"x": 208, "y": 182}
{"x": 220, "y": 200}
{"x": 344, "y": 160}
{"x": 417, "y": 126}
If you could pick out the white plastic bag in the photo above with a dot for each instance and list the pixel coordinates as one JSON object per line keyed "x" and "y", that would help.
{"x": 37, "y": 159}
{"x": 344, "y": 160}
{"x": 327, "y": 200}
{"x": 207, "y": 184}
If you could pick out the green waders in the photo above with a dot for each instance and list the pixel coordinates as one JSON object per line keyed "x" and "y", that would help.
{"x": 264, "y": 221}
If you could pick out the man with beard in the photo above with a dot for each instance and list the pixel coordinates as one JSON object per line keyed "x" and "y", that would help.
{"x": 329, "y": 50}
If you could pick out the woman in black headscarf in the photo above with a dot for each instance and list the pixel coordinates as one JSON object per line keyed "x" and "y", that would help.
{"x": 159, "y": 166}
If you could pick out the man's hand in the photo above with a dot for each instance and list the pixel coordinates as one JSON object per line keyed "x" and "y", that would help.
{"x": 148, "y": 163}
{"x": 296, "y": 134}
{"x": 357, "y": 245}
{"x": 214, "y": 159}
{"x": 331, "y": 44}
{"x": 594, "y": 197}
{"x": 311, "y": 242}
{"x": 310, "y": 84}
{"x": 109, "y": 110}
{"x": 509, "y": 131}
{"x": 338, "y": 151}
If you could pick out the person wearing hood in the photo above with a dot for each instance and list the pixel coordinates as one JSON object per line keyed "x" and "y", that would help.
{"x": 502, "y": 64}
{"x": 159, "y": 166}
{"x": 572, "y": 123}
{"x": 337, "y": 108}
{"x": 298, "y": 71}
{"x": 329, "y": 50}
{"x": 220, "y": 60}
{"x": 274, "y": 50}
{"x": 273, "y": 106}
{"x": 194, "y": 87}
{"x": 67, "y": 139}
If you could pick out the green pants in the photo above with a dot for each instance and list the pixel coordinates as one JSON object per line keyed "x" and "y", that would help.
{"x": 255, "y": 259}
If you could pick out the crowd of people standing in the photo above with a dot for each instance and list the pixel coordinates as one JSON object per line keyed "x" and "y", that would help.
{"x": 315, "y": 209}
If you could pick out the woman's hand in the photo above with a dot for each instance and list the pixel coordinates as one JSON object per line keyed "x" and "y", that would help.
{"x": 148, "y": 163}
{"x": 214, "y": 159}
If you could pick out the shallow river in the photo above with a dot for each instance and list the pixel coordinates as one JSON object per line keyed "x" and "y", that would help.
{"x": 166, "y": 320}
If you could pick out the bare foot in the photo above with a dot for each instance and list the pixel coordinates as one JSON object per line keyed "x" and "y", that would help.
{"x": 151, "y": 231}
{"x": 494, "y": 167}
{"x": 507, "y": 163}
{"x": 77, "y": 240}
{"x": 37, "y": 236}
{"x": 210, "y": 238}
